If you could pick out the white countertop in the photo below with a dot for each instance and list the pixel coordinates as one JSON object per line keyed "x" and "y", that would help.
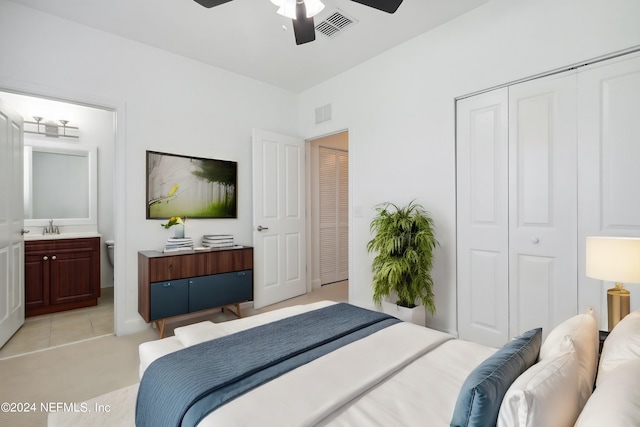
{"x": 76, "y": 235}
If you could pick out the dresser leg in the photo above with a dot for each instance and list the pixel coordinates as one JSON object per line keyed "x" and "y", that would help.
{"x": 160, "y": 326}
{"x": 237, "y": 312}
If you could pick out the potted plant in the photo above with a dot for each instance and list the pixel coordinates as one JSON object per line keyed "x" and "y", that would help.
{"x": 404, "y": 242}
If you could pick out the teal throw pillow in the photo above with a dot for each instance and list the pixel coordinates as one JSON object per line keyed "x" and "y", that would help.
{"x": 481, "y": 394}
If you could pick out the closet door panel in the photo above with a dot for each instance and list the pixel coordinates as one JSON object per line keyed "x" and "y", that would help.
{"x": 608, "y": 166}
{"x": 620, "y": 147}
{"x": 334, "y": 214}
{"x": 542, "y": 203}
{"x": 482, "y": 246}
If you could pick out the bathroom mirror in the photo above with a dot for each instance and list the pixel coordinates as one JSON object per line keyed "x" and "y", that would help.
{"x": 60, "y": 183}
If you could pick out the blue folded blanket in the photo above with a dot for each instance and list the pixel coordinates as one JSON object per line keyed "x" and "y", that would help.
{"x": 181, "y": 388}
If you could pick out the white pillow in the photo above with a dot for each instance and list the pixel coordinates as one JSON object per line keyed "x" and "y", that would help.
{"x": 582, "y": 329}
{"x": 545, "y": 394}
{"x": 622, "y": 345}
{"x": 198, "y": 332}
{"x": 615, "y": 401}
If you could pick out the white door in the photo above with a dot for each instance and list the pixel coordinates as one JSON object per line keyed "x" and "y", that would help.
{"x": 333, "y": 219}
{"x": 11, "y": 223}
{"x": 542, "y": 203}
{"x": 483, "y": 220}
{"x": 608, "y": 172}
{"x": 278, "y": 218}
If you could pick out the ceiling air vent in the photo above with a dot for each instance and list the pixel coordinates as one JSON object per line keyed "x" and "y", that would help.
{"x": 335, "y": 23}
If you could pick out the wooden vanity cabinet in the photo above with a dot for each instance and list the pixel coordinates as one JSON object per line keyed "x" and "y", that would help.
{"x": 61, "y": 274}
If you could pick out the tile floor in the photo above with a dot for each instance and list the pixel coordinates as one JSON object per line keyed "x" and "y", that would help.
{"x": 52, "y": 330}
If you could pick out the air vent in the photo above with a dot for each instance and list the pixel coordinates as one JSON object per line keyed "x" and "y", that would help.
{"x": 323, "y": 114}
{"x": 335, "y": 23}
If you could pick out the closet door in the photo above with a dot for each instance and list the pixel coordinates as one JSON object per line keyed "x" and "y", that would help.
{"x": 334, "y": 214}
{"x": 482, "y": 223}
{"x": 609, "y": 165}
{"x": 542, "y": 203}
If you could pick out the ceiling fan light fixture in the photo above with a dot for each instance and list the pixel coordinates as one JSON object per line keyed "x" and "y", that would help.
{"x": 288, "y": 7}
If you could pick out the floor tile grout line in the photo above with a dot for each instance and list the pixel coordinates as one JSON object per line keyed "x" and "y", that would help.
{"x": 55, "y": 346}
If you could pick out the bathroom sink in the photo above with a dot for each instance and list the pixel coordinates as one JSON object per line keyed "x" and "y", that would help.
{"x": 77, "y": 235}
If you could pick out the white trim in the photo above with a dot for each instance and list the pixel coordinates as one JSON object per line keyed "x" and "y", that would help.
{"x": 574, "y": 66}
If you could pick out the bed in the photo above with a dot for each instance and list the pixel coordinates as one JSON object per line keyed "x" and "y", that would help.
{"x": 401, "y": 375}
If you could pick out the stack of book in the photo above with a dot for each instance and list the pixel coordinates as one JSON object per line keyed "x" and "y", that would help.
{"x": 179, "y": 244}
{"x": 217, "y": 240}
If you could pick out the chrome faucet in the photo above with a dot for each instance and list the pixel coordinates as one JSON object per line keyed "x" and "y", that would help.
{"x": 51, "y": 229}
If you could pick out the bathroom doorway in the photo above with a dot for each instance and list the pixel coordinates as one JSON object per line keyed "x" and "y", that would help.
{"x": 81, "y": 125}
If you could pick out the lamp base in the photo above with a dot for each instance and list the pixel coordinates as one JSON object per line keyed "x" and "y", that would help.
{"x": 618, "y": 304}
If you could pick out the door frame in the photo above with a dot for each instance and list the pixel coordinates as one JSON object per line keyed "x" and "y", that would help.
{"x": 312, "y": 179}
{"x": 120, "y": 326}
{"x": 311, "y": 286}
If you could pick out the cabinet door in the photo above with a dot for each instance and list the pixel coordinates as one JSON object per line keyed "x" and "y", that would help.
{"x": 36, "y": 280}
{"x": 220, "y": 289}
{"x": 73, "y": 276}
{"x": 169, "y": 298}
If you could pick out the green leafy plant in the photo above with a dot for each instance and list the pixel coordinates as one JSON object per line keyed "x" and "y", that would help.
{"x": 404, "y": 243}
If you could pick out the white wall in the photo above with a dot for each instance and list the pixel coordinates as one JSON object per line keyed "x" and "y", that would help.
{"x": 400, "y": 110}
{"x": 167, "y": 103}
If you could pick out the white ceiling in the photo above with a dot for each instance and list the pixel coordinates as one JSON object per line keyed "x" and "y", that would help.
{"x": 247, "y": 36}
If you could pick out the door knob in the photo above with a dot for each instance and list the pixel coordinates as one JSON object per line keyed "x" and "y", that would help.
{"x": 260, "y": 228}
{"x": 23, "y": 231}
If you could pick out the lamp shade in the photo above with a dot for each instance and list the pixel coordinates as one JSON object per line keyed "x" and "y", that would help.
{"x": 615, "y": 259}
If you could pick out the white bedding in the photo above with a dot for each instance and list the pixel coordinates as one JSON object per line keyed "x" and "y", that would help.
{"x": 402, "y": 375}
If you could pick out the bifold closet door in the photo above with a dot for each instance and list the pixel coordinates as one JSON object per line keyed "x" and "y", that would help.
{"x": 542, "y": 203}
{"x": 609, "y": 165}
{"x": 483, "y": 218}
{"x": 517, "y": 209}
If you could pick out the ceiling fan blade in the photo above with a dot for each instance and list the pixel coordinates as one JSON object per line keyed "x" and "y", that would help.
{"x": 211, "y": 3}
{"x": 389, "y": 6}
{"x": 303, "y": 27}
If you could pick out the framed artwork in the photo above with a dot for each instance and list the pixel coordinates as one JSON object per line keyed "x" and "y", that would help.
{"x": 190, "y": 186}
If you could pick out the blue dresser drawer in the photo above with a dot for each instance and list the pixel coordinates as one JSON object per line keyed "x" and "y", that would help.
{"x": 169, "y": 298}
{"x": 220, "y": 289}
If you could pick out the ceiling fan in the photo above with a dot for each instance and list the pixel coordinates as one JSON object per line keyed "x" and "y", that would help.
{"x": 302, "y": 12}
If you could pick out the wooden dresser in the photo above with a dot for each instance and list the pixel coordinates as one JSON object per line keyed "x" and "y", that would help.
{"x": 177, "y": 283}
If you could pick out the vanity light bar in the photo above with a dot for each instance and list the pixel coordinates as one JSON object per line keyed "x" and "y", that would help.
{"x": 50, "y": 128}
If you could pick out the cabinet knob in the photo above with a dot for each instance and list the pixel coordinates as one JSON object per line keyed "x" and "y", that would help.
{"x": 535, "y": 240}
{"x": 53, "y": 257}
{"x": 45, "y": 257}
{"x": 166, "y": 285}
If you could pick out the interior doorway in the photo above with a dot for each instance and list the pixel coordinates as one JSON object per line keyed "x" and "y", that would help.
{"x": 329, "y": 209}
{"x": 95, "y": 126}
